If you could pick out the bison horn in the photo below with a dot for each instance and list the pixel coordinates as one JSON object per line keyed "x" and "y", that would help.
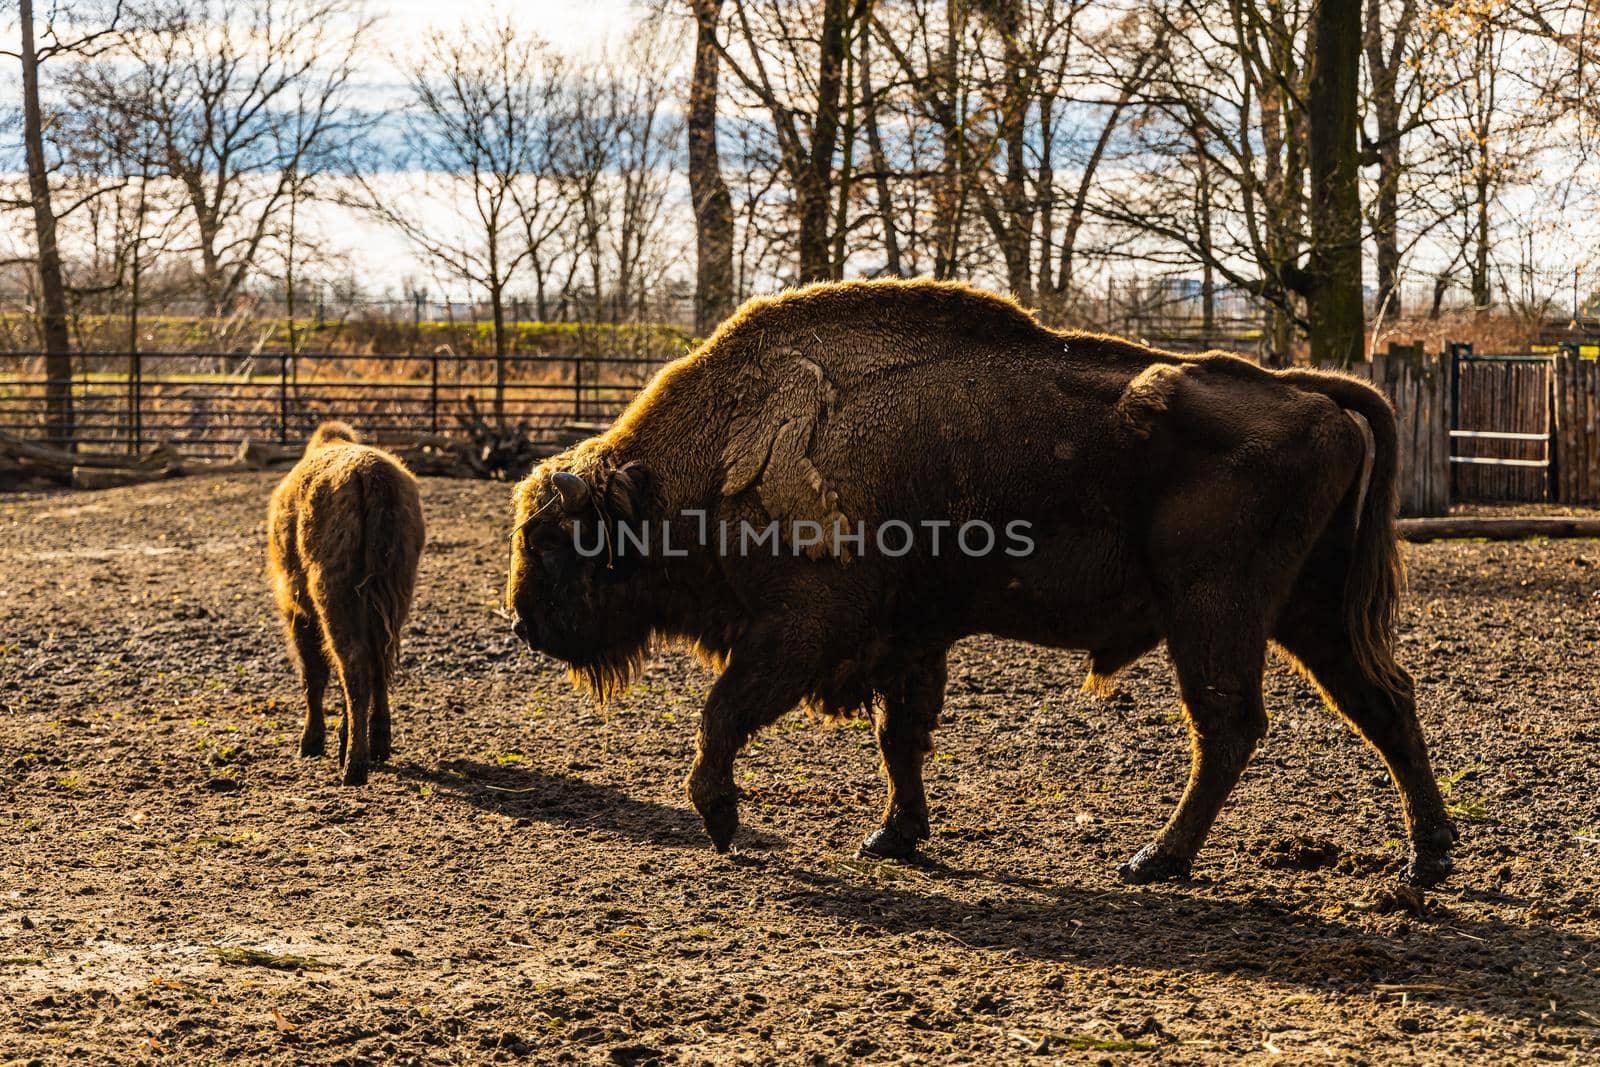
{"x": 573, "y": 490}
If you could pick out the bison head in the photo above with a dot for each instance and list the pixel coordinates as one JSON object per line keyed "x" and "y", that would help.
{"x": 572, "y": 595}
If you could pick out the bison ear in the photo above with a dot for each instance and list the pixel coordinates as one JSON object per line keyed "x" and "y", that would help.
{"x": 628, "y": 491}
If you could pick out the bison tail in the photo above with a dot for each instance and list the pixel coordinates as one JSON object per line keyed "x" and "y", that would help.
{"x": 1376, "y": 575}
{"x": 392, "y": 542}
{"x": 333, "y": 432}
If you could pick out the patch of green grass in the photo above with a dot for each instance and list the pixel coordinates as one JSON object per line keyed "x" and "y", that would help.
{"x": 1460, "y": 806}
{"x": 216, "y": 841}
{"x": 257, "y": 957}
{"x": 1090, "y": 1043}
{"x": 509, "y": 759}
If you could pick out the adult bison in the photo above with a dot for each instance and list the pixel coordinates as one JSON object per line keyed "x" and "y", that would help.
{"x": 1131, "y": 496}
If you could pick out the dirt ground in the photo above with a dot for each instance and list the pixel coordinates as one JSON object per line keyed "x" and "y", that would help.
{"x": 527, "y": 882}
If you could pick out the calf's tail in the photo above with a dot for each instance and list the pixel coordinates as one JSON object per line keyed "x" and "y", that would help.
{"x": 391, "y": 544}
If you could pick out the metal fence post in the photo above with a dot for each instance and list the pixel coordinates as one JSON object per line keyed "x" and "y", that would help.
{"x": 577, "y": 388}
{"x": 135, "y": 425}
{"x": 283, "y": 398}
{"x": 433, "y": 392}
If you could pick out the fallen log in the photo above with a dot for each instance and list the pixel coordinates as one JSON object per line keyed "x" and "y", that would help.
{"x": 107, "y": 478}
{"x": 1484, "y": 528}
{"x": 61, "y": 459}
{"x": 258, "y": 455}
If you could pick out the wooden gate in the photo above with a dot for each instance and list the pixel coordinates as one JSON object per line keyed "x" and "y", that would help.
{"x": 1577, "y": 468}
{"x": 1500, "y": 426}
{"x": 1418, "y": 387}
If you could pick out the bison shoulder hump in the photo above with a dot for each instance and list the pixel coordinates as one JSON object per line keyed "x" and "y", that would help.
{"x": 1147, "y": 398}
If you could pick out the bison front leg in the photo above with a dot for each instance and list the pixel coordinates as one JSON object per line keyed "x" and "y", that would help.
{"x": 1219, "y": 674}
{"x": 758, "y": 686}
{"x": 905, "y": 721}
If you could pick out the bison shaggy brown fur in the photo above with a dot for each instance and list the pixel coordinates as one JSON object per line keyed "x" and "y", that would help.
{"x": 1201, "y": 501}
{"x": 344, "y": 534}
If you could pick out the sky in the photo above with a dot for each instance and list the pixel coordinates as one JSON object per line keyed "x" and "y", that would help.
{"x": 571, "y": 25}
{"x": 380, "y": 258}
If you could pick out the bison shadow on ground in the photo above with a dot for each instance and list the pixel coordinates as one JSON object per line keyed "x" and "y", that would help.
{"x": 542, "y": 796}
{"x": 1515, "y": 970}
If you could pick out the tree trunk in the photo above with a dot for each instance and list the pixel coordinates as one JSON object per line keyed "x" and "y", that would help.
{"x": 58, "y": 421}
{"x": 1336, "y": 319}
{"x": 1383, "y": 66}
{"x": 880, "y": 164}
{"x": 950, "y": 196}
{"x": 1016, "y": 233}
{"x": 1481, "y": 296}
{"x": 713, "y": 206}
{"x": 816, "y": 180}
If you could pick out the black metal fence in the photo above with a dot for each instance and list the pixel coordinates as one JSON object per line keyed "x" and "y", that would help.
{"x": 207, "y": 404}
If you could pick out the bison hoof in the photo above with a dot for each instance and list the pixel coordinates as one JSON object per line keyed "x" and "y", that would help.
{"x": 1425, "y": 872}
{"x": 887, "y": 843}
{"x": 1150, "y": 865}
{"x": 313, "y": 746}
{"x": 355, "y": 773}
{"x": 721, "y": 819}
{"x": 1430, "y": 861}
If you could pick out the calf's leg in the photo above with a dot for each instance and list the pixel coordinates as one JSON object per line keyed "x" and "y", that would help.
{"x": 358, "y": 688}
{"x": 379, "y": 741}
{"x": 905, "y": 721}
{"x": 1219, "y": 664}
{"x": 1386, "y": 715}
{"x": 305, "y": 639}
{"x": 348, "y": 640}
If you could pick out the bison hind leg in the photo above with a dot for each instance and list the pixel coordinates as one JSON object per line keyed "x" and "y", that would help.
{"x": 905, "y": 720}
{"x": 379, "y": 729}
{"x": 1219, "y": 663}
{"x": 1385, "y": 714}
{"x": 305, "y": 638}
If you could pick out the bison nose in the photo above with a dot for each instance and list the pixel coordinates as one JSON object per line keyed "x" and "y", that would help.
{"x": 520, "y": 628}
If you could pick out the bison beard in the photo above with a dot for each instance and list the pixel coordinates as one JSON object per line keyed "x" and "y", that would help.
{"x": 1201, "y": 501}
{"x": 344, "y": 534}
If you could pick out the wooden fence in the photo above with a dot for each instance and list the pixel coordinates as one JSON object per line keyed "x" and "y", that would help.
{"x": 1419, "y": 389}
{"x": 1576, "y": 394}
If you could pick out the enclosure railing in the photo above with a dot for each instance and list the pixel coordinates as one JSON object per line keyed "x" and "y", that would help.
{"x": 207, "y": 404}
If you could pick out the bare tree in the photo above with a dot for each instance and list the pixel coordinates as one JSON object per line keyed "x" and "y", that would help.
{"x": 477, "y": 133}
{"x": 1331, "y": 283}
{"x": 713, "y": 205}
{"x": 250, "y": 100}
{"x": 796, "y": 72}
{"x": 37, "y": 47}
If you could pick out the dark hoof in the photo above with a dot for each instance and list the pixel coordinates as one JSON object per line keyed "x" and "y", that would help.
{"x": 381, "y": 755}
{"x": 887, "y": 843}
{"x": 355, "y": 773}
{"x": 1149, "y": 865}
{"x": 721, "y": 819}
{"x": 312, "y": 747}
{"x": 1425, "y": 872}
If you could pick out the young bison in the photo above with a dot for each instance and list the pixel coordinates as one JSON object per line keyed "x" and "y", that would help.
{"x": 344, "y": 531}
